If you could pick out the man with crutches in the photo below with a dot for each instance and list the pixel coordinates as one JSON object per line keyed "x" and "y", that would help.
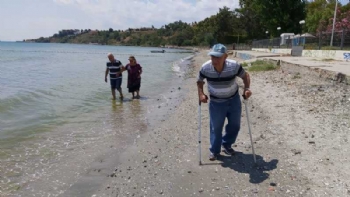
{"x": 225, "y": 102}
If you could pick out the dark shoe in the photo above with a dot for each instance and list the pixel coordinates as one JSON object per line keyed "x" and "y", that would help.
{"x": 213, "y": 157}
{"x": 228, "y": 150}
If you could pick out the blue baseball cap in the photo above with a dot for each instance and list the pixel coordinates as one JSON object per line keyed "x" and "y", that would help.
{"x": 218, "y": 50}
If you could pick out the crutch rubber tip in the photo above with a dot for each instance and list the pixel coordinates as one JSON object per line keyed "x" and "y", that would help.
{"x": 200, "y": 163}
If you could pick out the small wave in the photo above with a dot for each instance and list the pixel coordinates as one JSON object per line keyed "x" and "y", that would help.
{"x": 180, "y": 66}
{"x": 27, "y": 97}
{"x": 176, "y": 68}
{"x": 17, "y": 59}
{"x": 189, "y": 57}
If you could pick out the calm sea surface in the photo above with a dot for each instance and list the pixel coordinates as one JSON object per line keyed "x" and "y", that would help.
{"x": 56, "y": 113}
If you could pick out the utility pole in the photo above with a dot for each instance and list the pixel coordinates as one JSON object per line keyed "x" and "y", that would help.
{"x": 335, "y": 15}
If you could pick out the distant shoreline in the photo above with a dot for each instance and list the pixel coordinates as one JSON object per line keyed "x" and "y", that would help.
{"x": 191, "y": 48}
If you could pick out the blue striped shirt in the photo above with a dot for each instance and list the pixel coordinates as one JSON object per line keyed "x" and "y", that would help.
{"x": 221, "y": 86}
{"x": 114, "y": 68}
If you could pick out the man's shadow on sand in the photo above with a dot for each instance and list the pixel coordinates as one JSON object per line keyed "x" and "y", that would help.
{"x": 244, "y": 163}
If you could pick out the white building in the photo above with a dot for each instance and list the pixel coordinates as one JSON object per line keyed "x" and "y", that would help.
{"x": 285, "y": 37}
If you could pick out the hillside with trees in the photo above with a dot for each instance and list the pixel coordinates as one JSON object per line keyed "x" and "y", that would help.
{"x": 242, "y": 25}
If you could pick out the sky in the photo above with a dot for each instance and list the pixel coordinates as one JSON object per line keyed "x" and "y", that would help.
{"x": 28, "y": 19}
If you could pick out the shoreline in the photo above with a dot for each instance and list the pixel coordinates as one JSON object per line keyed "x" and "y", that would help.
{"x": 193, "y": 48}
{"x": 90, "y": 144}
{"x": 110, "y": 161}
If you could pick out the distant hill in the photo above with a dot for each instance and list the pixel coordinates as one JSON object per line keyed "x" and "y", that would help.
{"x": 130, "y": 37}
{"x": 253, "y": 20}
{"x": 178, "y": 33}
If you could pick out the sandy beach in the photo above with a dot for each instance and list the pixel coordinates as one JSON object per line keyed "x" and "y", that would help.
{"x": 300, "y": 125}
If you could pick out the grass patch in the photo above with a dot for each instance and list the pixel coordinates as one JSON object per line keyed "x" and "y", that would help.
{"x": 311, "y": 46}
{"x": 261, "y": 65}
{"x": 244, "y": 64}
{"x": 330, "y": 48}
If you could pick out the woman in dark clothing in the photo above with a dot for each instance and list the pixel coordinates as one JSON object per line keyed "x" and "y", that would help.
{"x": 134, "y": 76}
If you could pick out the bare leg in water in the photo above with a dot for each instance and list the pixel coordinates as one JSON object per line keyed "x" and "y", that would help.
{"x": 137, "y": 93}
{"x": 120, "y": 93}
{"x": 113, "y": 93}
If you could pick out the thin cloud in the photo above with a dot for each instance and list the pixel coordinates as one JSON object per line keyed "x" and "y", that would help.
{"x": 141, "y": 13}
{"x": 49, "y": 17}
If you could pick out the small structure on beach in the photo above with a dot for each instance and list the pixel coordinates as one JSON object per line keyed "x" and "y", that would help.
{"x": 285, "y": 37}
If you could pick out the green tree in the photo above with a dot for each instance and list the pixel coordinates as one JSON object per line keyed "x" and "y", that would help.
{"x": 249, "y": 22}
{"x": 275, "y": 13}
{"x": 209, "y": 40}
{"x": 223, "y": 24}
{"x": 318, "y": 14}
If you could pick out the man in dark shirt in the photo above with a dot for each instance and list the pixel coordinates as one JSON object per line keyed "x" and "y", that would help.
{"x": 114, "y": 68}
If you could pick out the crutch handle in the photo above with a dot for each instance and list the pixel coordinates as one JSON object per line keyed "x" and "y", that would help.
{"x": 200, "y": 100}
